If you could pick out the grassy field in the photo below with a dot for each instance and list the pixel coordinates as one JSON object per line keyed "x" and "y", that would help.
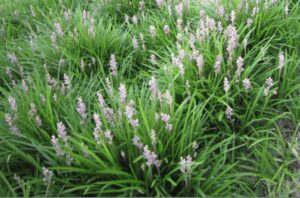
{"x": 150, "y": 98}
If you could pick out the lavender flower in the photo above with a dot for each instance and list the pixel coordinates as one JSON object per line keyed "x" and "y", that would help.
{"x": 218, "y": 64}
{"x": 55, "y": 97}
{"x": 151, "y": 157}
{"x": 109, "y": 87}
{"x": 122, "y": 93}
{"x": 281, "y": 61}
{"x": 195, "y": 52}
{"x": 101, "y": 100}
{"x": 232, "y": 39}
{"x": 56, "y": 146}
{"x": 109, "y": 136}
{"x": 240, "y": 6}
{"x": 229, "y": 112}
{"x": 160, "y": 3}
{"x": 165, "y": 117}
{"x": 98, "y": 123}
{"x": 153, "y": 87}
{"x": 169, "y": 10}
{"x": 58, "y": 29}
{"x": 12, "y": 58}
{"x": 8, "y": 72}
{"x": 97, "y": 130}
{"x": 185, "y": 167}
{"x": 177, "y": 61}
{"x": 195, "y": 146}
{"x": 33, "y": 110}
{"x": 269, "y": 82}
{"x": 179, "y": 10}
{"x": 91, "y": 30}
{"x": 226, "y": 85}
{"x": 153, "y": 138}
{"x": 137, "y": 142}
{"x": 13, "y": 104}
{"x": 84, "y": 15}
{"x": 113, "y": 65}
{"x": 109, "y": 114}
{"x": 67, "y": 81}
{"x": 81, "y": 109}
{"x": 192, "y": 40}
{"x": 47, "y": 176}
{"x": 249, "y": 22}
{"x": 233, "y": 17}
{"x": 181, "y": 54}
{"x": 185, "y": 164}
{"x": 167, "y": 29}
{"x": 168, "y": 98}
{"x": 62, "y": 134}
{"x": 187, "y": 87}
{"x": 286, "y": 9}
{"x": 169, "y": 127}
{"x": 153, "y": 59}
{"x": 38, "y": 121}
{"x": 9, "y": 119}
{"x": 179, "y": 26}
{"x": 142, "y": 40}
{"x": 123, "y": 154}
{"x": 135, "y": 43}
{"x": 200, "y": 63}
{"x": 246, "y": 84}
{"x": 82, "y": 64}
{"x": 130, "y": 113}
{"x": 51, "y": 81}
{"x": 240, "y": 64}
{"x": 179, "y": 36}
{"x": 69, "y": 159}
{"x": 33, "y": 113}
{"x": 67, "y": 15}
{"x": 24, "y": 85}
{"x": 152, "y": 31}
{"x": 126, "y": 18}
{"x": 254, "y": 11}
{"x": 220, "y": 27}
{"x": 53, "y": 38}
{"x": 134, "y": 19}
{"x": 43, "y": 99}
{"x": 211, "y": 23}
{"x": 181, "y": 69}
{"x": 221, "y": 11}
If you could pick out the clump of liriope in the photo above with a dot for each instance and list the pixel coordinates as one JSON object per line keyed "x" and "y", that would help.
{"x": 170, "y": 99}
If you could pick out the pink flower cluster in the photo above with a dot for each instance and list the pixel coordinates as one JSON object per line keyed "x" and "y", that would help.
{"x": 10, "y": 118}
{"x": 61, "y": 143}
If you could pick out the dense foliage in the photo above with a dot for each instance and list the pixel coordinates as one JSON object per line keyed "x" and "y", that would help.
{"x": 149, "y": 98}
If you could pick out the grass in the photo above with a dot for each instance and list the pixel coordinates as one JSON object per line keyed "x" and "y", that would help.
{"x": 252, "y": 150}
